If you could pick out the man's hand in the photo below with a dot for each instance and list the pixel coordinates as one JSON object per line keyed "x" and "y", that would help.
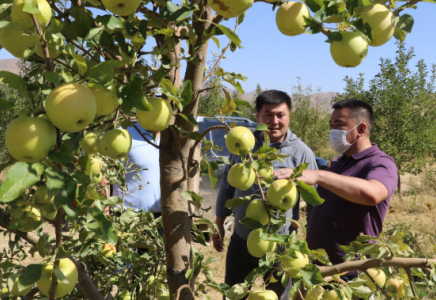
{"x": 283, "y": 173}
{"x": 218, "y": 237}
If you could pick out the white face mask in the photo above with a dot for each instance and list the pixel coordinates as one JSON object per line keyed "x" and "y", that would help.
{"x": 338, "y": 140}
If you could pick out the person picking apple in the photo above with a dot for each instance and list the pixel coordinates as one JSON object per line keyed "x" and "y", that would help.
{"x": 357, "y": 187}
{"x": 273, "y": 108}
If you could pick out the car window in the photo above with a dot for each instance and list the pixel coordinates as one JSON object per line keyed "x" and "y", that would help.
{"x": 219, "y": 140}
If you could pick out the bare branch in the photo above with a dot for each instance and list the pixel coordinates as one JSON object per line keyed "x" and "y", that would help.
{"x": 411, "y": 281}
{"x": 140, "y": 133}
{"x": 404, "y": 6}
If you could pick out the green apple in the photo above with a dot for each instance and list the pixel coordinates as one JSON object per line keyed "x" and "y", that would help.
{"x": 241, "y": 177}
{"x": 158, "y": 118}
{"x": 351, "y": 50}
{"x": 107, "y": 99}
{"x": 258, "y": 247}
{"x": 13, "y": 283}
{"x": 121, "y": 7}
{"x": 68, "y": 268}
{"x": 239, "y": 138}
{"x": 89, "y": 142}
{"x": 18, "y": 15}
{"x": 282, "y": 194}
{"x": 290, "y": 18}
{"x": 333, "y": 295}
{"x": 377, "y": 275}
{"x": 230, "y": 8}
{"x": 16, "y": 40}
{"x": 71, "y": 107}
{"x": 30, "y": 139}
{"x": 315, "y": 293}
{"x": 93, "y": 168}
{"x": 108, "y": 250}
{"x": 124, "y": 295}
{"x": 256, "y": 210}
{"x": 54, "y": 44}
{"x": 116, "y": 143}
{"x": 4, "y": 291}
{"x": 398, "y": 291}
{"x": 265, "y": 170}
{"x": 99, "y": 146}
{"x": 291, "y": 265}
{"x": 382, "y": 23}
{"x": 27, "y": 216}
{"x": 260, "y": 294}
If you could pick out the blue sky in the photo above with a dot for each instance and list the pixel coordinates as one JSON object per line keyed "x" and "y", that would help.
{"x": 274, "y": 60}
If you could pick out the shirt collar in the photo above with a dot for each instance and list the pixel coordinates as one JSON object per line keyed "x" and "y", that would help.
{"x": 357, "y": 156}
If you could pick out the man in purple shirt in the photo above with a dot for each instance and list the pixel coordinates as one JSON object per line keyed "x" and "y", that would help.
{"x": 358, "y": 186}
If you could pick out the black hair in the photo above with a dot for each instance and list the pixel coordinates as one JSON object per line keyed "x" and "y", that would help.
{"x": 360, "y": 111}
{"x": 272, "y": 97}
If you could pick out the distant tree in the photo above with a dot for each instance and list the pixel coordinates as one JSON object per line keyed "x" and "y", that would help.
{"x": 310, "y": 116}
{"x": 404, "y": 104}
{"x": 212, "y": 99}
{"x": 257, "y": 92}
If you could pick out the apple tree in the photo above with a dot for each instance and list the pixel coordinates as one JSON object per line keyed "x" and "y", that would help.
{"x": 105, "y": 64}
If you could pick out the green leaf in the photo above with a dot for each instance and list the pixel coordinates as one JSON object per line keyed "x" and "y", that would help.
{"x": 133, "y": 93}
{"x": 311, "y": 275}
{"x": 31, "y": 7}
{"x": 173, "y": 12}
{"x": 400, "y": 34}
{"x": 315, "y": 5}
{"x": 229, "y": 106}
{"x": 250, "y": 223}
{"x": 104, "y": 72}
{"x": 309, "y": 193}
{"x": 109, "y": 232}
{"x": 243, "y": 103}
{"x": 30, "y": 274}
{"x": 60, "y": 276}
{"x": 110, "y": 22}
{"x": 212, "y": 177}
{"x": 232, "y": 203}
{"x": 42, "y": 246}
{"x": 61, "y": 253}
{"x": 231, "y": 35}
{"x": 53, "y": 77}
{"x": 20, "y": 177}
{"x": 65, "y": 197}
{"x": 168, "y": 85}
{"x": 405, "y": 23}
{"x": 185, "y": 92}
{"x": 334, "y": 36}
{"x": 7, "y": 105}
{"x": 14, "y": 81}
{"x": 188, "y": 118}
{"x": 62, "y": 155}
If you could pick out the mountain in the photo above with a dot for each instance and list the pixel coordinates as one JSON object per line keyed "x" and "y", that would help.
{"x": 10, "y": 65}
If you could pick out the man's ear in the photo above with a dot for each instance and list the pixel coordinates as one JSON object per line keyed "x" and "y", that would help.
{"x": 362, "y": 128}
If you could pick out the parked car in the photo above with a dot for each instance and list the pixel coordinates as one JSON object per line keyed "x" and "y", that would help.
{"x": 208, "y": 193}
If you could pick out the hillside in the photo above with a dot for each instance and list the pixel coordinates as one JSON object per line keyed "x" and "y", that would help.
{"x": 10, "y": 65}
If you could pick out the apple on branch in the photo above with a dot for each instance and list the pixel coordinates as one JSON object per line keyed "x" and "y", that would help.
{"x": 315, "y": 293}
{"x": 71, "y": 107}
{"x": 377, "y": 275}
{"x": 230, "y": 8}
{"x": 291, "y": 265}
{"x": 241, "y": 177}
{"x": 18, "y": 15}
{"x": 116, "y": 143}
{"x": 257, "y": 246}
{"x": 89, "y": 142}
{"x": 64, "y": 287}
{"x": 239, "y": 138}
{"x": 121, "y": 7}
{"x": 158, "y": 118}
{"x": 256, "y": 210}
{"x": 27, "y": 217}
{"x": 282, "y": 194}
{"x": 395, "y": 288}
{"x": 382, "y": 23}
{"x": 333, "y": 295}
{"x": 30, "y": 139}
{"x": 107, "y": 99}
{"x": 261, "y": 294}
{"x": 108, "y": 250}
{"x": 290, "y": 18}
{"x": 351, "y": 50}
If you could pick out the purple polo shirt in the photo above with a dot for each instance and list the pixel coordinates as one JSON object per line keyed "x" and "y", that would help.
{"x": 338, "y": 221}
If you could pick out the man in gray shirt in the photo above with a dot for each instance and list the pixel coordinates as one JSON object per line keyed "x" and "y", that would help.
{"x": 272, "y": 108}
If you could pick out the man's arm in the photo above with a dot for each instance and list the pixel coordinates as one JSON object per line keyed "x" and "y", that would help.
{"x": 218, "y": 238}
{"x": 361, "y": 191}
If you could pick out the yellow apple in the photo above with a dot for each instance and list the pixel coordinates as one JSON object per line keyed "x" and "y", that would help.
{"x": 20, "y": 16}
{"x": 89, "y": 142}
{"x": 292, "y": 265}
{"x": 265, "y": 170}
{"x": 282, "y": 194}
{"x": 13, "y": 280}
{"x": 333, "y": 295}
{"x": 54, "y": 44}
{"x": 116, "y": 143}
{"x": 124, "y": 295}
{"x": 256, "y": 210}
{"x": 15, "y": 39}
{"x": 315, "y": 293}
{"x": 259, "y": 294}
{"x": 4, "y": 291}
{"x": 382, "y": 23}
{"x": 158, "y": 118}
{"x": 257, "y": 247}
{"x": 290, "y": 18}
{"x": 27, "y": 216}
{"x": 240, "y": 138}
{"x": 121, "y": 7}
{"x": 378, "y": 275}
{"x": 107, "y": 99}
{"x": 98, "y": 144}
{"x": 71, "y": 107}
{"x": 240, "y": 177}
{"x": 230, "y": 8}
{"x": 30, "y": 139}
{"x": 351, "y": 50}
{"x": 398, "y": 291}
{"x": 68, "y": 268}
{"x": 108, "y": 250}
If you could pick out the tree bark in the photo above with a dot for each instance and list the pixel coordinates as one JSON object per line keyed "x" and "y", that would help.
{"x": 175, "y": 174}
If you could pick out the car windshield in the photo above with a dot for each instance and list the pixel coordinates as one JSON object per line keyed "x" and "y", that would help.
{"x": 220, "y": 141}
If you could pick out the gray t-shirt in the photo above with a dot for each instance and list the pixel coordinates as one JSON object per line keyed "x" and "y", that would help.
{"x": 298, "y": 153}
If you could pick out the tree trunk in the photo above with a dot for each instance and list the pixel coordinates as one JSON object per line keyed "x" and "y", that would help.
{"x": 399, "y": 185}
{"x": 177, "y": 172}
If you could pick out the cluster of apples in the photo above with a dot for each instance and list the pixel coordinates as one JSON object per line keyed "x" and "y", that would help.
{"x": 64, "y": 286}
{"x": 290, "y": 20}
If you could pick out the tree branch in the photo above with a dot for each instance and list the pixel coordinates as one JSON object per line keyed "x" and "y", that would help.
{"x": 412, "y": 283}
